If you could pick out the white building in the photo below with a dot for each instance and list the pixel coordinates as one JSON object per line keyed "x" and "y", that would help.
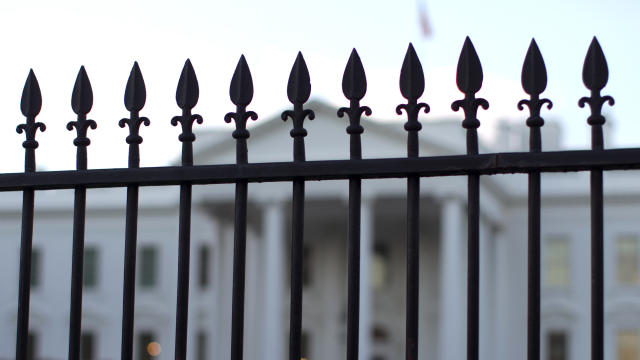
{"x": 565, "y": 256}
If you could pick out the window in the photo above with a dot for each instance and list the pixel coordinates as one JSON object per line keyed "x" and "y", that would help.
{"x": 32, "y": 345}
{"x": 148, "y": 346}
{"x": 305, "y": 343}
{"x": 148, "y": 266}
{"x": 90, "y": 272}
{"x": 556, "y": 261}
{"x": 307, "y": 275}
{"x": 627, "y": 345}
{"x": 201, "y": 351}
{"x": 627, "y": 249}
{"x": 379, "y": 270}
{"x": 204, "y": 266}
{"x": 87, "y": 351}
{"x": 557, "y": 346}
{"x": 36, "y": 267}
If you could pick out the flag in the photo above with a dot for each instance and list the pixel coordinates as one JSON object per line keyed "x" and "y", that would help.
{"x": 425, "y": 25}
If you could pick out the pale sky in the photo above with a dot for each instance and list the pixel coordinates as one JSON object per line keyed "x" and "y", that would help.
{"x": 56, "y": 37}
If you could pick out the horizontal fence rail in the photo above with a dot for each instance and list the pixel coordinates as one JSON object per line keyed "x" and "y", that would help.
{"x": 434, "y": 166}
{"x": 469, "y": 80}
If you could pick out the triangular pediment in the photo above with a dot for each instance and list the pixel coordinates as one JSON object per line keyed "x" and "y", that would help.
{"x": 327, "y": 139}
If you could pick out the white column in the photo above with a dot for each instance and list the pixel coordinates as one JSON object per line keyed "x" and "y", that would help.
{"x": 487, "y": 291}
{"x": 366, "y": 249}
{"x": 452, "y": 343}
{"x": 273, "y": 236}
{"x": 222, "y": 335}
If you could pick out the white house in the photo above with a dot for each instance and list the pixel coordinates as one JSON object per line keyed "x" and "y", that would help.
{"x": 565, "y": 257}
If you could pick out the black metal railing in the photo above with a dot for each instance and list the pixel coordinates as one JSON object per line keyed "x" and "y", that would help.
{"x": 413, "y": 167}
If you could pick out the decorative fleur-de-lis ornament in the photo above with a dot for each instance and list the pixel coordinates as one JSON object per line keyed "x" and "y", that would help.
{"x": 135, "y": 96}
{"x": 241, "y": 94}
{"x": 411, "y": 88}
{"x": 81, "y": 103}
{"x": 595, "y": 75}
{"x": 534, "y": 82}
{"x": 354, "y": 87}
{"x": 30, "y": 105}
{"x": 469, "y": 80}
{"x": 187, "y": 97}
{"x": 298, "y": 92}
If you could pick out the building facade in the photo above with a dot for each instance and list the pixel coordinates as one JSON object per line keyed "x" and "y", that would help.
{"x": 565, "y": 258}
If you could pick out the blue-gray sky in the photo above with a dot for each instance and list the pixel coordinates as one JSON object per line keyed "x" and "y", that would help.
{"x": 56, "y": 37}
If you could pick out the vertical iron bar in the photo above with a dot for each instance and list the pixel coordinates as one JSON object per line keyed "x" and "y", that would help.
{"x": 25, "y": 274}
{"x": 297, "y": 241}
{"x": 413, "y": 266}
{"x": 534, "y": 82}
{"x": 413, "y": 249}
{"x": 241, "y": 93}
{"x": 184, "y": 242}
{"x": 469, "y": 80}
{"x": 77, "y": 264}
{"x": 354, "y": 87}
{"x": 412, "y": 87}
{"x": 473, "y": 266}
{"x": 129, "y": 282}
{"x": 297, "y": 231}
{"x": 184, "y": 246}
{"x": 81, "y": 103}
{"x": 533, "y": 302}
{"x": 595, "y": 74}
{"x": 186, "y": 97}
{"x": 239, "y": 260}
{"x": 30, "y": 106}
{"x": 134, "y": 99}
{"x": 239, "y": 257}
{"x": 353, "y": 269}
{"x": 597, "y": 252}
{"x": 298, "y": 91}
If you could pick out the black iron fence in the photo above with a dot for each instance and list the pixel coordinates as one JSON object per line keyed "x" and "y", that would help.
{"x": 413, "y": 167}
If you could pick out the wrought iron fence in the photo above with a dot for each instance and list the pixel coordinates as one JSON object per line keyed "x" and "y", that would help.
{"x": 469, "y": 80}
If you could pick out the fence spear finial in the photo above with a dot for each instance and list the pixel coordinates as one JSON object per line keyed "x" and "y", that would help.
{"x": 354, "y": 87}
{"x": 81, "y": 103}
{"x": 241, "y": 94}
{"x": 412, "y": 87}
{"x": 469, "y": 80}
{"x": 30, "y": 105}
{"x": 298, "y": 92}
{"x": 187, "y": 95}
{"x": 595, "y": 75}
{"x": 135, "y": 96}
{"x": 534, "y": 82}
